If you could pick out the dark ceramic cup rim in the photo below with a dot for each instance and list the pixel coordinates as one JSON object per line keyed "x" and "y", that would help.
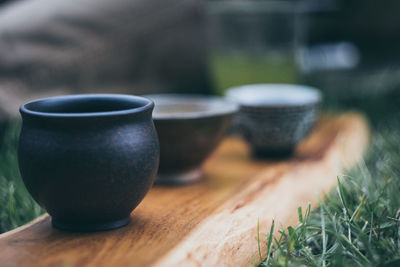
{"x": 209, "y": 106}
{"x": 274, "y": 95}
{"x": 63, "y": 106}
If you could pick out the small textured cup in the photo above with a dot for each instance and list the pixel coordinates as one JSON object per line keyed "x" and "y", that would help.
{"x": 274, "y": 118}
{"x": 189, "y": 128}
{"x": 88, "y": 160}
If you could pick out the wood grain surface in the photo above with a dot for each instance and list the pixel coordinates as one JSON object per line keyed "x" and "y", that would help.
{"x": 210, "y": 223}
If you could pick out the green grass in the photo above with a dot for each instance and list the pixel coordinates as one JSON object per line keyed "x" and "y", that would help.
{"x": 358, "y": 223}
{"x": 16, "y": 205}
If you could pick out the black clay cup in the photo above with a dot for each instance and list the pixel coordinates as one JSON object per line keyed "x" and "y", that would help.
{"x": 274, "y": 118}
{"x": 88, "y": 160}
{"x": 189, "y": 127}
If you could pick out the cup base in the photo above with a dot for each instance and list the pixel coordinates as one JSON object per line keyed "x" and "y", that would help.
{"x": 182, "y": 178}
{"x": 90, "y": 227}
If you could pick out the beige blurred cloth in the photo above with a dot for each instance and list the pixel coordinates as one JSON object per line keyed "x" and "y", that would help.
{"x": 51, "y": 47}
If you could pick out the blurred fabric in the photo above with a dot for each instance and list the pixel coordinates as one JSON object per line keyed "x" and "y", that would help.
{"x": 51, "y": 47}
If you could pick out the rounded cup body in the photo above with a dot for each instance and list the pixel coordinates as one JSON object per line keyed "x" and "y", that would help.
{"x": 186, "y": 143}
{"x": 88, "y": 170}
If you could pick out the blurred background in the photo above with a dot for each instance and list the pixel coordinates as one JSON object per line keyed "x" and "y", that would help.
{"x": 347, "y": 48}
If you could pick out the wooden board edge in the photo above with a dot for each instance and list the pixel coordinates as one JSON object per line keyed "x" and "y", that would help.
{"x": 23, "y": 227}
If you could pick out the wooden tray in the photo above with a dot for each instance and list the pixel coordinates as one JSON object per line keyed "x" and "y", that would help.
{"x": 209, "y": 223}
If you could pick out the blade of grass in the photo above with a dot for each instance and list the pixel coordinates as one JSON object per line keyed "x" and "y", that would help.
{"x": 269, "y": 244}
{"x": 258, "y": 239}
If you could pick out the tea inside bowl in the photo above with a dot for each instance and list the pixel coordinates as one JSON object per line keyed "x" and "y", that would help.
{"x": 179, "y": 108}
{"x": 173, "y": 106}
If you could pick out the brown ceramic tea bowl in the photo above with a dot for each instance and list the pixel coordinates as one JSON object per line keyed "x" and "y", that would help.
{"x": 189, "y": 128}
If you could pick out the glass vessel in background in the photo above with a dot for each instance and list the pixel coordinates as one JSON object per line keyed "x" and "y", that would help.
{"x": 252, "y": 42}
